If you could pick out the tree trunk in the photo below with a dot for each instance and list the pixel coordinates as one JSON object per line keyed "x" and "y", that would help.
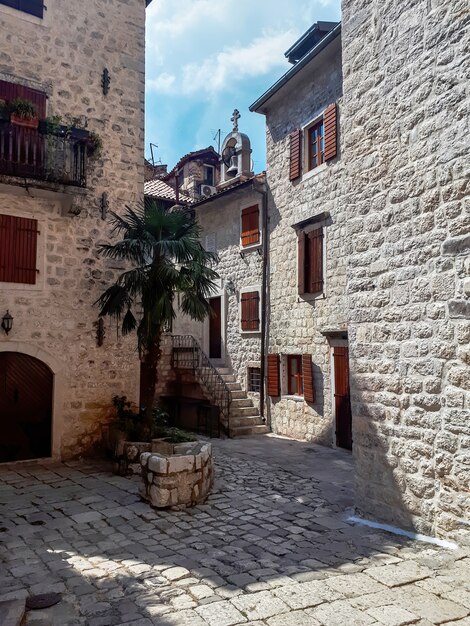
{"x": 151, "y": 360}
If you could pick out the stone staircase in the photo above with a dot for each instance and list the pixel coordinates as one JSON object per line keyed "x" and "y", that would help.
{"x": 244, "y": 416}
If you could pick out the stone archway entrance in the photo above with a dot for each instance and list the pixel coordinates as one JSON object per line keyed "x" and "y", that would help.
{"x": 26, "y": 390}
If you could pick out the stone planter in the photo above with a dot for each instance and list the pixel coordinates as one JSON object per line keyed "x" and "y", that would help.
{"x": 127, "y": 460}
{"x": 181, "y": 478}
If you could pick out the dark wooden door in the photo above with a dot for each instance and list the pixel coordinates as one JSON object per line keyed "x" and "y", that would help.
{"x": 215, "y": 328}
{"x": 342, "y": 398}
{"x": 25, "y": 407}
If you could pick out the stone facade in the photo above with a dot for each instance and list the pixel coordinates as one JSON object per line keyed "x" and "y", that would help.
{"x": 64, "y": 55}
{"x": 296, "y": 322}
{"x": 405, "y": 126}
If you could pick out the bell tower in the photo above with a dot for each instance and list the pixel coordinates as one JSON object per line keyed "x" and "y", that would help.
{"x": 236, "y": 155}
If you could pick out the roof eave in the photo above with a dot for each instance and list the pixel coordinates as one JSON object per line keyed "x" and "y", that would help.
{"x": 321, "y": 45}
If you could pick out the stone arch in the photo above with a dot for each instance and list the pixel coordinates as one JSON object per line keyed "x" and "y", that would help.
{"x": 57, "y": 369}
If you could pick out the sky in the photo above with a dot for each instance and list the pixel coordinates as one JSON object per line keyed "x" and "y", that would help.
{"x": 206, "y": 58}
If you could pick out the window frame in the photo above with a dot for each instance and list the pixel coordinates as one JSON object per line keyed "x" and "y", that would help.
{"x": 245, "y": 290}
{"x": 298, "y": 392}
{"x": 249, "y": 370}
{"x": 206, "y": 166}
{"x": 306, "y": 293}
{"x": 320, "y": 144}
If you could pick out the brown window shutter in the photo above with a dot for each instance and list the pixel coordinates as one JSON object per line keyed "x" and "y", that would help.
{"x": 295, "y": 154}
{"x": 315, "y": 241}
{"x": 307, "y": 374}
{"x": 250, "y": 226}
{"x": 273, "y": 374}
{"x": 329, "y": 120}
{"x": 301, "y": 261}
{"x": 11, "y": 91}
{"x": 250, "y": 310}
{"x": 18, "y": 249}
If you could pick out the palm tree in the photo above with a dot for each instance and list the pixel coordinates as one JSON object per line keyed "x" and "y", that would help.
{"x": 163, "y": 248}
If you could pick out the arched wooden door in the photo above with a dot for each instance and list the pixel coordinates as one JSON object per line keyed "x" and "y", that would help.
{"x": 25, "y": 407}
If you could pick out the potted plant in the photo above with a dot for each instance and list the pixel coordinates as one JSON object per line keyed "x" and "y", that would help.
{"x": 23, "y": 113}
{"x": 53, "y": 125}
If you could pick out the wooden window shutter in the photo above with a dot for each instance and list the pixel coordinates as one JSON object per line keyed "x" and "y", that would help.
{"x": 250, "y": 310}
{"x": 11, "y": 91}
{"x": 250, "y": 225}
{"x": 273, "y": 374}
{"x": 315, "y": 242}
{"x": 295, "y": 154}
{"x": 301, "y": 262}
{"x": 329, "y": 120}
{"x": 307, "y": 374}
{"x": 18, "y": 249}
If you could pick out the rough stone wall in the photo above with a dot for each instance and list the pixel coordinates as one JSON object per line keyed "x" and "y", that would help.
{"x": 64, "y": 54}
{"x": 296, "y": 322}
{"x": 221, "y": 218}
{"x": 405, "y": 126}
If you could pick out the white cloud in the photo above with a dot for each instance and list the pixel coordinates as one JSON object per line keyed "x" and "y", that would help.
{"x": 234, "y": 64}
{"x": 163, "y": 83}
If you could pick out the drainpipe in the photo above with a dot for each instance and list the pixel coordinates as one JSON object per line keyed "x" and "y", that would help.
{"x": 262, "y": 190}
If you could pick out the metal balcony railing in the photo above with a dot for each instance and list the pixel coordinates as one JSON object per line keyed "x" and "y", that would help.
{"x": 29, "y": 153}
{"x": 188, "y": 354}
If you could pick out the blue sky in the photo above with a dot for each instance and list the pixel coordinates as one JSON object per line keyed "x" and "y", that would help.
{"x": 207, "y": 57}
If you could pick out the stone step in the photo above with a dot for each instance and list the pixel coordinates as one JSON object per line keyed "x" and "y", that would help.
{"x": 250, "y": 420}
{"x": 243, "y": 411}
{"x": 241, "y": 402}
{"x": 224, "y": 370}
{"x": 12, "y": 612}
{"x": 238, "y": 395}
{"x": 244, "y": 431}
{"x": 228, "y": 378}
{"x": 234, "y": 386}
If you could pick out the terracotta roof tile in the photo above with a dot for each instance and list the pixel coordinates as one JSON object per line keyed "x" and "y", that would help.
{"x": 157, "y": 188}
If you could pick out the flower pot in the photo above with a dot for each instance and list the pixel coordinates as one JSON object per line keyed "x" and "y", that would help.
{"x": 26, "y": 122}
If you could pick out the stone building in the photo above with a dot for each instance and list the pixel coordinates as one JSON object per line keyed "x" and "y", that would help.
{"x": 197, "y": 173}
{"x": 308, "y": 248}
{"x": 59, "y": 366}
{"x": 405, "y": 147}
{"x": 232, "y": 223}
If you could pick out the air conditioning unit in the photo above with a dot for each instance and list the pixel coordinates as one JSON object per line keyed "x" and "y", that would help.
{"x": 207, "y": 190}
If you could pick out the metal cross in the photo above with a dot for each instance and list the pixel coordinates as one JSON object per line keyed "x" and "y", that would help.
{"x": 235, "y": 117}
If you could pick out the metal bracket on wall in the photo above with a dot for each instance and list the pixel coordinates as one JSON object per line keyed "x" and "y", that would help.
{"x": 100, "y": 332}
{"x": 104, "y": 205}
{"x": 105, "y": 81}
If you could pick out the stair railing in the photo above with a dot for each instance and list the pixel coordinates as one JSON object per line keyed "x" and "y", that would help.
{"x": 188, "y": 354}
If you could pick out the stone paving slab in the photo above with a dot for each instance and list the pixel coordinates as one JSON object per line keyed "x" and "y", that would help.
{"x": 269, "y": 548}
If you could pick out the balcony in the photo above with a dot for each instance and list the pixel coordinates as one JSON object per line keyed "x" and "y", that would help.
{"x": 57, "y": 157}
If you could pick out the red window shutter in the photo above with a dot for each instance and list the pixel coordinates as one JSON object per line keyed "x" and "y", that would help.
{"x": 250, "y": 226}
{"x": 295, "y": 154}
{"x": 250, "y": 310}
{"x": 315, "y": 242}
{"x": 273, "y": 375}
{"x": 18, "y": 249}
{"x": 307, "y": 374}
{"x": 301, "y": 262}
{"x": 11, "y": 91}
{"x": 329, "y": 120}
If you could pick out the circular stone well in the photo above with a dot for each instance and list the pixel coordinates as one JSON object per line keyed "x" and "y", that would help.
{"x": 181, "y": 478}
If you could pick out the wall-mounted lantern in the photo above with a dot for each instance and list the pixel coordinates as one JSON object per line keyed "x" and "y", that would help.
{"x": 7, "y": 322}
{"x": 230, "y": 287}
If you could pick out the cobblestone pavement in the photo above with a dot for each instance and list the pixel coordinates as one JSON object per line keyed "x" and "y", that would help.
{"x": 270, "y": 547}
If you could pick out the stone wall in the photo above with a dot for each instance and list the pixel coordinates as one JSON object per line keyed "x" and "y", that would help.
{"x": 405, "y": 126}
{"x": 296, "y": 323}
{"x": 64, "y": 55}
{"x": 220, "y": 223}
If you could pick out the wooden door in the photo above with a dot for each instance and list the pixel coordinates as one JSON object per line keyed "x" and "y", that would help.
{"x": 215, "y": 328}
{"x": 342, "y": 397}
{"x": 25, "y": 407}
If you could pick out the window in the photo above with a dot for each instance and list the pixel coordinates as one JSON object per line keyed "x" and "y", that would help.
{"x": 254, "y": 379}
{"x": 18, "y": 249}
{"x": 250, "y": 311}
{"x": 319, "y": 143}
{"x": 310, "y": 261}
{"x": 208, "y": 175}
{"x": 33, "y": 7}
{"x": 315, "y": 145}
{"x": 250, "y": 231}
{"x": 294, "y": 375}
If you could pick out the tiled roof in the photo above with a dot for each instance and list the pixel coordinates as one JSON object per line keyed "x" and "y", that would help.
{"x": 157, "y": 188}
{"x": 239, "y": 183}
{"x": 192, "y": 155}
